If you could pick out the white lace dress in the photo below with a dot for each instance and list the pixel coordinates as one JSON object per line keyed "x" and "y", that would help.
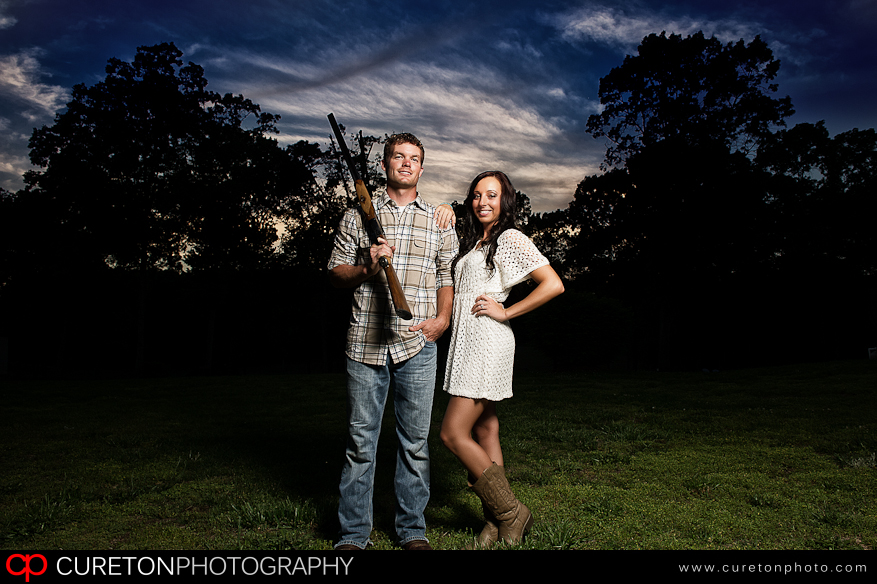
{"x": 482, "y": 351}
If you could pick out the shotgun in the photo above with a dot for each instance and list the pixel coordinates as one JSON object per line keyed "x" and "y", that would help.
{"x": 372, "y": 225}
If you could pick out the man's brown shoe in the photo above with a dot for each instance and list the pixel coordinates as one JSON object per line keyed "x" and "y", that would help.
{"x": 348, "y": 547}
{"x": 417, "y": 544}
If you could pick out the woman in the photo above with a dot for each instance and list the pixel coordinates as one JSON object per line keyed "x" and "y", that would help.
{"x": 494, "y": 256}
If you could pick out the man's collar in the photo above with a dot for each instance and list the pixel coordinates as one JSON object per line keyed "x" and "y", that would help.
{"x": 383, "y": 198}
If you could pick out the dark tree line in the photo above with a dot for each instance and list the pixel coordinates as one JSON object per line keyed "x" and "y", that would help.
{"x": 166, "y": 227}
{"x": 149, "y": 170}
{"x": 734, "y": 239}
{"x": 165, "y": 224}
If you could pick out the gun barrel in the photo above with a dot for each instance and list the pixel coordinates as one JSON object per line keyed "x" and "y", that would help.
{"x": 373, "y": 226}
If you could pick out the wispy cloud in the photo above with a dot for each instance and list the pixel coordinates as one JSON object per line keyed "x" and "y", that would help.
{"x": 625, "y": 28}
{"x": 13, "y": 163}
{"x": 5, "y": 20}
{"x": 461, "y": 110}
{"x": 490, "y": 84}
{"x": 20, "y": 79}
{"x": 12, "y": 168}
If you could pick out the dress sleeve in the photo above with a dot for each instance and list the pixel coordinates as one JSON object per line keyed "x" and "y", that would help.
{"x": 516, "y": 257}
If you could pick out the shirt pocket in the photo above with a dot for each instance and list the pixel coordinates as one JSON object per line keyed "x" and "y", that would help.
{"x": 422, "y": 252}
{"x": 421, "y": 262}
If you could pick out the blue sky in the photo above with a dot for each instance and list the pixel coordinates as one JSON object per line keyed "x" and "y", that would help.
{"x": 503, "y": 85}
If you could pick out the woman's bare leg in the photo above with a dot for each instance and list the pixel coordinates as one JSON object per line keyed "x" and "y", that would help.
{"x": 486, "y": 433}
{"x": 460, "y": 419}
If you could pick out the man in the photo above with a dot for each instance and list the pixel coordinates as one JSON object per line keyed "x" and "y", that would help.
{"x": 383, "y": 349}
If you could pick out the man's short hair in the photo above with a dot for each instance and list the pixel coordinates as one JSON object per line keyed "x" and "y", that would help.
{"x": 403, "y": 138}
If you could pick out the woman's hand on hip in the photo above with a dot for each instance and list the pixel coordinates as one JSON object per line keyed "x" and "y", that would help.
{"x": 487, "y": 306}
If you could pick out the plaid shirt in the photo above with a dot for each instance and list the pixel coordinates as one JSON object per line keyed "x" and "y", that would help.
{"x": 422, "y": 261}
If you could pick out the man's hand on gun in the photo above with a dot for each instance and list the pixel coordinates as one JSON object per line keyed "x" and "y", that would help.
{"x": 382, "y": 249}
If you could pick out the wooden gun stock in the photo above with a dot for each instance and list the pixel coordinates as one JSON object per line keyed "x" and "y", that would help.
{"x": 372, "y": 226}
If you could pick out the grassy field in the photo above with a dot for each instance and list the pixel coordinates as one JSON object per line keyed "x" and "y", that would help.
{"x": 776, "y": 458}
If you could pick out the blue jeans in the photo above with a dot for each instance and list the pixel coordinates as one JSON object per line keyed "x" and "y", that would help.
{"x": 413, "y": 383}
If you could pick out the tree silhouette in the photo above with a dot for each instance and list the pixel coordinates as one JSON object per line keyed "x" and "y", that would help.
{"x": 150, "y": 170}
{"x": 711, "y": 219}
{"x": 821, "y": 196}
{"x": 692, "y": 88}
{"x": 701, "y": 222}
{"x": 680, "y": 212}
{"x": 116, "y": 160}
{"x": 682, "y": 194}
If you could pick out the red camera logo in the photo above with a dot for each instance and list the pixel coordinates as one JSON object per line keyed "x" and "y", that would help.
{"x": 27, "y": 571}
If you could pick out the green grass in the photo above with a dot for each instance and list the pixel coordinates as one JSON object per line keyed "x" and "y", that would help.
{"x": 776, "y": 458}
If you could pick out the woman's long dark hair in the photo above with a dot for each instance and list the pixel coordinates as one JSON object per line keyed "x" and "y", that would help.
{"x": 471, "y": 230}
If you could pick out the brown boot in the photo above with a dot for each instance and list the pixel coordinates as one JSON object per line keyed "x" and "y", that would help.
{"x": 513, "y": 518}
{"x": 488, "y": 535}
{"x": 490, "y": 532}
